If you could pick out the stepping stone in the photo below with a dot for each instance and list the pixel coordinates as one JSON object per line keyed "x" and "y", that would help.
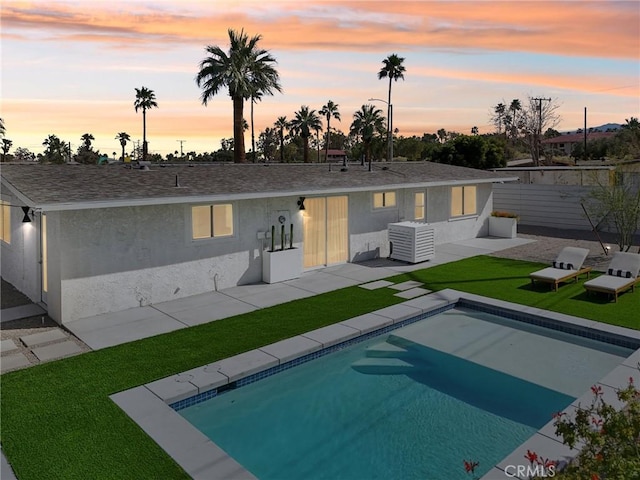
{"x": 382, "y": 366}
{"x": 412, "y": 293}
{"x": 56, "y": 350}
{"x": 43, "y": 337}
{"x": 8, "y": 346}
{"x": 375, "y": 285}
{"x": 16, "y": 360}
{"x": 406, "y": 285}
{"x": 385, "y": 350}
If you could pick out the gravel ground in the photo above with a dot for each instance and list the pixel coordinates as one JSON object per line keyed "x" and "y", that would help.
{"x": 548, "y": 242}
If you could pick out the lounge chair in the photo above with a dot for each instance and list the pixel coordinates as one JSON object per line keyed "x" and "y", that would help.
{"x": 568, "y": 265}
{"x": 621, "y": 275}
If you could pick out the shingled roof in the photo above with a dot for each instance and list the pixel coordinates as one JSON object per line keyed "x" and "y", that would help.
{"x": 58, "y": 187}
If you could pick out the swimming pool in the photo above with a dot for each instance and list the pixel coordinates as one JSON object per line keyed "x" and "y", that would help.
{"x": 412, "y": 403}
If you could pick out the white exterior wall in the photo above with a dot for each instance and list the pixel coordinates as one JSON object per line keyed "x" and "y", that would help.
{"x": 111, "y": 259}
{"x": 20, "y": 259}
{"x": 117, "y": 258}
{"x": 368, "y": 236}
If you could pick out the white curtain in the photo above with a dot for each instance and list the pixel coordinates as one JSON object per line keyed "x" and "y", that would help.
{"x": 314, "y": 232}
{"x": 337, "y": 230}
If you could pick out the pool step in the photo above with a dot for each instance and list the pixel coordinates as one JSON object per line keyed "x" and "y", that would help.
{"x": 385, "y": 350}
{"x": 382, "y": 366}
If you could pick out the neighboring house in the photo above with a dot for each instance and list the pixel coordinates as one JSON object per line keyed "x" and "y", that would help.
{"x": 107, "y": 238}
{"x": 336, "y": 155}
{"x": 563, "y": 144}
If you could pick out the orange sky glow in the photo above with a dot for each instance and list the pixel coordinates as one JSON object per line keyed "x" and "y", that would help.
{"x": 71, "y": 67}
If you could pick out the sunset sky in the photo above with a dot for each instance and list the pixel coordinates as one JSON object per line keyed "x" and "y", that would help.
{"x": 70, "y": 68}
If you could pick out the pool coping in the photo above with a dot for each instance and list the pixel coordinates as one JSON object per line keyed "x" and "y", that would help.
{"x": 152, "y": 405}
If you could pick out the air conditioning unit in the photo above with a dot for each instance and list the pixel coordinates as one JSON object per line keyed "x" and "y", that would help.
{"x": 411, "y": 242}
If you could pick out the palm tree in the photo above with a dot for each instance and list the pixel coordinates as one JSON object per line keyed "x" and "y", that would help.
{"x": 6, "y": 146}
{"x": 366, "y": 123}
{"x": 499, "y": 114}
{"x": 281, "y": 124}
{"x": 329, "y": 110}
{"x": 393, "y": 69}
{"x": 256, "y": 96}
{"x": 2, "y": 128}
{"x": 145, "y": 100}
{"x": 124, "y": 138}
{"x": 245, "y": 70}
{"x": 87, "y": 138}
{"x": 304, "y": 122}
{"x": 514, "y": 108}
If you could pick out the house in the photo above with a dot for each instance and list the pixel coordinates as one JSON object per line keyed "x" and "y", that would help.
{"x": 335, "y": 155}
{"x": 563, "y": 144}
{"x": 112, "y": 237}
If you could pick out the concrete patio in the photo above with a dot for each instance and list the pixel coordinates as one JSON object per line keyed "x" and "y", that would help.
{"x": 111, "y": 329}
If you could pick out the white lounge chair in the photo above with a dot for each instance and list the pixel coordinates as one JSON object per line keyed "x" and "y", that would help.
{"x": 621, "y": 275}
{"x": 568, "y": 265}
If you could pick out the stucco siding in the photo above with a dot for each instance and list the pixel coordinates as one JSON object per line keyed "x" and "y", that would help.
{"x": 117, "y": 258}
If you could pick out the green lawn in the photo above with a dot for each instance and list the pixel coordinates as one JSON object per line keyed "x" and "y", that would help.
{"x": 58, "y": 422}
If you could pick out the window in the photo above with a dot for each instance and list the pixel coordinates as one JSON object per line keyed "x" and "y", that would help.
{"x": 463, "y": 201}
{"x": 418, "y": 212}
{"x": 384, "y": 199}
{"x": 212, "y": 221}
{"x": 5, "y": 222}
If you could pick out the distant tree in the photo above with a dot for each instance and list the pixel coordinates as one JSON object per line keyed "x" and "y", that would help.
{"x": 123, "y": 137}
{"x": 245, "y": 71}
{"x": 303, "y": 124}
{"x": 3, "y": 130}
{"x": 497, "y": 116}
{"x": 227, "y": 144}
{"x": 537, "y": 117}
{"x": 472, "y": 151}
{"x": 393, "y": 70}
{"x": 280, "y": 125}
{"x": 6, "y": 146}
{"x": 329, "y": 110}
{"x": 145, "y": 100}
{"x": 268, "y": 143}
{"x": 56, "y": 150}
{"x": 551, "y": 133}
{"x": 410, "y": 147}
{"x": 442, "y": 135}
{"x": 85, "y": 152}
{"x": 87, "y": 138}
{"x": 23, "y": 155}
{"x": 255, "y": 97}
{"x": 513, "y": 121}
{"x": 367, "y": 122}
{"x": 474, "y": 130}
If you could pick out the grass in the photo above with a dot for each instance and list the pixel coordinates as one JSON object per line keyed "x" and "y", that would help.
{"x": 58, "y": 422}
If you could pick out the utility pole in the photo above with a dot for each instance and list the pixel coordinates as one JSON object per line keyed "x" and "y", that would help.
{"x": 539, "y": 129}
{"x": 181, "y": 142}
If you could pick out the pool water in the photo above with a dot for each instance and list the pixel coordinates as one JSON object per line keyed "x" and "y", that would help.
{"x": 390, "y": 407}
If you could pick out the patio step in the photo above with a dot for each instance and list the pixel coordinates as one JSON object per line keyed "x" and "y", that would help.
{"x": 382, "y": 366}
{"x": 385, "y": 350}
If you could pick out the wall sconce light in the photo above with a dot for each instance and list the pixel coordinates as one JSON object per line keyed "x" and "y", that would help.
{"x": 26, "y": 218}
{"x": 301, "y": 203}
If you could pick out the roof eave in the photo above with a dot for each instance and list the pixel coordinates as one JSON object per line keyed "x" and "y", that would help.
{"x": 136, "y": 202}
